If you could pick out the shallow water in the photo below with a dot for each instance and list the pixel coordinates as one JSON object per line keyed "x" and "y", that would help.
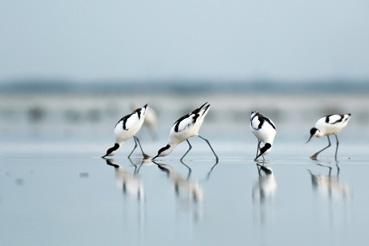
{"x": 62, "y": 193}
{"x": 56, "y": 190}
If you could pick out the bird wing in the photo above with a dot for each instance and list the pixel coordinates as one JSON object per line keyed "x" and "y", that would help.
{"x": 132, "y": 121}
{"x": 184, "y": 122}
{"x": 334, "y": 118}
{"x": 258, "y": 120}
{"x": 255, "y": 122}
{"x": 129, "y": 120}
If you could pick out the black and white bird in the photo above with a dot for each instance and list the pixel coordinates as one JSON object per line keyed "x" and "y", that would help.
{"x": 184, "y": 128}
{"x": 264, "y": 130}
{"x": 126, "y": 128}
{"x": 326, "y": 126}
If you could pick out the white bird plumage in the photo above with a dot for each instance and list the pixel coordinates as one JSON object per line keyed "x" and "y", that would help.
{"x": 184, "y": 128}
{"x": 327, "y": 126}
{"x": 264, "y": 130}
{"x": 150, "y": 121}
{"x": 126, "y": 128}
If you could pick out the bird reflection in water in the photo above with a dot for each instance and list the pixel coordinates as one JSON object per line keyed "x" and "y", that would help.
{"x": 189, "y": 192}
{"x": 132, "y": 187}
{"x": 337, "y": 192}
{"x": 263, "y": 190}
{"x": 126, "y": 181}
{"x": 329, "y": 185}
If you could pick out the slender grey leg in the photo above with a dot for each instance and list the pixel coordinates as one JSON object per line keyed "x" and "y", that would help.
{"x": 129, "y": 156}
{"x": 314, "y": 156}
{"x": 257, "y": 149}
{"x": 139, "y": 144}
{"x": 337, "y": 144}
{"x": 207, "y": 141}
{"x": 211, "y": 170}
{"x": 259, "y": 154}
{"x": 188, "y": 168}
{"x": 189, "y": 148}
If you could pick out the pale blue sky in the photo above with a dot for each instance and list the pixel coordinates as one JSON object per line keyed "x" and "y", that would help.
{"x": 212, "y": 39}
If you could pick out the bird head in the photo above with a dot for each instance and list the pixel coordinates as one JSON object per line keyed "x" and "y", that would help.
{"x": 166, "y": 150}
{"x": 111, "y": 151}
{"x": 314, "y": 132}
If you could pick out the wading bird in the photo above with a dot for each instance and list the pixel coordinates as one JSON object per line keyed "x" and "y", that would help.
{"x": 126, "y": 128}
{"x": 326, "y": 126}
{"x": 264, "y": 130}
{"x": 184, "y": 128}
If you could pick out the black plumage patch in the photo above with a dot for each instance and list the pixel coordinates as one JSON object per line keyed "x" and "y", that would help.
{"x": 110, "y": 150}
{"x": 163, "y": 149}
{"x": 196, "y": 114}
{"x": 327, "y": 118}
{"x": 262, "y": 119}
{"x": 265, "y": 148}
{"x": 139, "y": 111}
{"x": 179, "y": 121}
{"x": 125, "y": 118}
{"x": 340, "y": 119}
{"x": 313, "y": 131}
{"x": 194, "y": 118}
{"x": 124, "y": 121}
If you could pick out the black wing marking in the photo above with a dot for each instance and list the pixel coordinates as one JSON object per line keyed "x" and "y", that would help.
{"x": 342, "y": 116}
{"x": 269, "y": 121}
{"x": 196, "y": 114}
{"x": 125, "y": 118}
{"x": 262, "y": 119}
{"x": 179, "y": 121}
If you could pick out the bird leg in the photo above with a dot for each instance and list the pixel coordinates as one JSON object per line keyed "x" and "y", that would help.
{"x": 257, "y": 149}
{"x": 262, "y": 151}
{"x": 189, "y": 148}
{"x": 207, "y": 141}
{"x": 314, "y": 156}
{"x": 139, "y": 144}
{"x": 134, "y": 147}
{"x": 337, "y": 144}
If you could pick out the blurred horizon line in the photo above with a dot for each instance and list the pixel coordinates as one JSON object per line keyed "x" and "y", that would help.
{"x": 50, "y": 85}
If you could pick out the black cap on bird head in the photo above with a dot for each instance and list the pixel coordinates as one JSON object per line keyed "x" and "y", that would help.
{"x": 161, "y": 150}
{"x": 312, "y": 133}
{"x": 110, "y": 151}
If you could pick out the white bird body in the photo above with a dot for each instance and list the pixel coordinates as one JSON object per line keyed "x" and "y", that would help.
{"x": 266, "y": 133}
{"x": 129, "y": 125}
{"x": 187, "y": 126}
{"x": 331, "y": 124}
{"x": 264, "y": 130}
{"x": 326, "y": 126}
{"x": 126, "y": 128}
{"x": 184, "y": 128}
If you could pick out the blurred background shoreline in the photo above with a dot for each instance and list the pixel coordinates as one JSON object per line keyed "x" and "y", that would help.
{"x": 44, "y": 110}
